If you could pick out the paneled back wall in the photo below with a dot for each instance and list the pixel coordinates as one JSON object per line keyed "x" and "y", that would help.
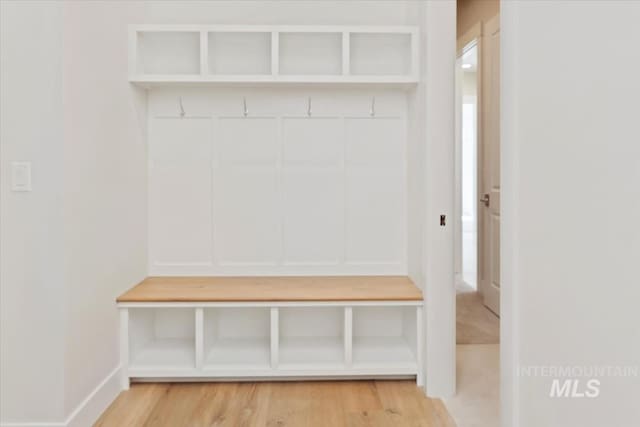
{"x": 285, "y": 186}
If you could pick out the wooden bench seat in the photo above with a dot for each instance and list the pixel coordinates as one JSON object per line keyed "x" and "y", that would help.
{"x": 287, "y": 288}
{"x": 243, "y": 328}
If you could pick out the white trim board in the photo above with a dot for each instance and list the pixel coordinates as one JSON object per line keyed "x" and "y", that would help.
{"x": 198, "y": 223}
{"x": 439, "y": 77}
{"x": 203, "y": 304}
{"x": 284, "y": 374}
{"x": 39, "y": 424}
{"x": 89, "y": 410}
{"x": 295, "y": 378}
{"x": 509, "y": 164}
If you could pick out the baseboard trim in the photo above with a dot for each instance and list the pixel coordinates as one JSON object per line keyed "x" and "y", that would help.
{"x": 42, "y": 424}
{"x": 89, "y": 410}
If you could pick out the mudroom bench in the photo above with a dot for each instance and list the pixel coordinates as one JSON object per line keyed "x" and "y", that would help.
{"x": 251, "y": 328}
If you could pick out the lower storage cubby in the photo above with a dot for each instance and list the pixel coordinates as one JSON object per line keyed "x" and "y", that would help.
{"x": 279, "y": 340}
{"x": 237, "y": 338}
{"x": 162, "y": 338}
{"x": 385, "y": 337}
{"x": 311, "y": 338}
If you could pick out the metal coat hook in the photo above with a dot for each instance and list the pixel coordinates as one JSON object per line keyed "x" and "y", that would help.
{"x": 245, "y": 110}
{"x": 309, "y": 107}
{"x": 372, "y": 110}
{"x": 182, "y": 113}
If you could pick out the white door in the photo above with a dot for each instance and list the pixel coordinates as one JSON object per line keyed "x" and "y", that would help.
{"x": 490, "y": 195}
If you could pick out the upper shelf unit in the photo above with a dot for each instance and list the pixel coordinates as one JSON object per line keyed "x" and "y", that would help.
{"x": 273, "y": 55}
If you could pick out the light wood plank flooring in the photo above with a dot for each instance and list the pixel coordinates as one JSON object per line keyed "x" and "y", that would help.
{"x": 476, "y": 324}
{"x": 295, "y": 404}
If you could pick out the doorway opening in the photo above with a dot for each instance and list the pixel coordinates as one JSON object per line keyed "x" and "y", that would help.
{"x": 477, "y": 322}
{"x": 477, "y": 228}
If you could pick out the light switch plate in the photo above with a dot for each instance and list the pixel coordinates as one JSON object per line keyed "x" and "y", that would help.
{"x": 20, "y": 176}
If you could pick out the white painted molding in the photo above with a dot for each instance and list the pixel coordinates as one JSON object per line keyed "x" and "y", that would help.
{"x": 41, "y": 424}
{"x": 269, "y": 304}
{"x": 342, "y": 117}
{"x": 89, "y": 410}
{"x": 509, "y": 382}
{"x": 439, "y": 78}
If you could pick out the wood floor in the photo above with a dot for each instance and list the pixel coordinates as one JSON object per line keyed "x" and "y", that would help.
{"x": 475, "y": 323}
{"x": 295, "y": 404}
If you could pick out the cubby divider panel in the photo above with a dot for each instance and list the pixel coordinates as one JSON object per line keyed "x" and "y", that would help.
{"x": 162, "y": 338}
{"x": 236, "y": 337}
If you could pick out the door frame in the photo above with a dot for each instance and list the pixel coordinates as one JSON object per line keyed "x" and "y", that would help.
{"x": 438, "y": 89}
{"x": 439, "y": 56}
{"x": 510, "y": 174}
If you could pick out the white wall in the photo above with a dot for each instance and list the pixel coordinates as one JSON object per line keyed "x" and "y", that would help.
{"x": 571, "y": 200}
{"x": 313, "y": 12}
{"x": 32, "y": 292}
{"x": 70, "y": 246}
{"x": 79, "y": 239}
{"x": 105, "y": 172}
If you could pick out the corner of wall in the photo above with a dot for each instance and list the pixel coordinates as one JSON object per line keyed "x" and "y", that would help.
{"x": 90, "y": 409}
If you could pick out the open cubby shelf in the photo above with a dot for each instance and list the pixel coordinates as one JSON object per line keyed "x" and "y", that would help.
{"x": 246, "y": 53}
{"x": 242, "y": 352}
{"x": 170, "y": 352}
{"x": 170, "y": 53}
{"x": 384, "y": 336}
{"x": 162, "y": 338}
{"x": 265, "y": 55}
{"x": 239, "y": 338}
{"x": 236, "y": 337}
{"x": 311, "y": 336}
{"x": 306, "y": 338}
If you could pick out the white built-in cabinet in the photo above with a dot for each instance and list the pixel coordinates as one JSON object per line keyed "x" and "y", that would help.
{"x": 286, "y": 339}
{"x": 253, "y": 170}
{"x": 165, "y": 54}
